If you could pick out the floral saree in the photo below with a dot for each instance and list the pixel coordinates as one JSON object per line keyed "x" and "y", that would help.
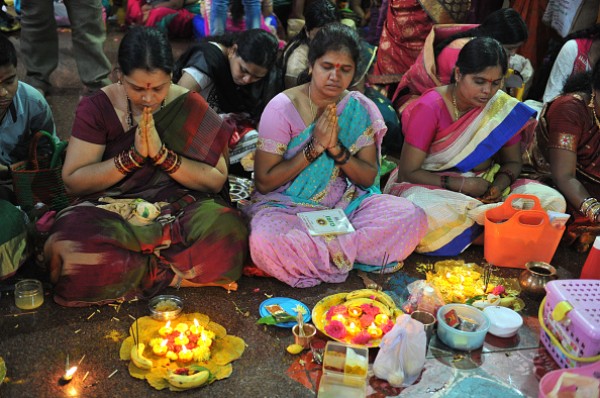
{"x": 280, "y": 244}
{"x": 96, "y": 256}
{"x": 455, "y": 219}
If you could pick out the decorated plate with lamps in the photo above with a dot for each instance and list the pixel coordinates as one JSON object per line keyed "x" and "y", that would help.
{"x": 361, "y": 317}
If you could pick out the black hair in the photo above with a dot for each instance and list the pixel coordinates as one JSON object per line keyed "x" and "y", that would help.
{"x": 145, "y": 48}
{"x": 255, "y": 46}
{"x": 580, "y": 83}
{"x": 504, "y": 25}
{"x": 335, "y": 37}
{"x": 317, "y": 14}
{"x": 479, "y": 54}
{"x": 8, "y": 53}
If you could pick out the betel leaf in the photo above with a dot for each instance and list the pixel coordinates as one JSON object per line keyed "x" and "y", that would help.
{"x": 271, "y": 320}
{"x": 267, "y": 320}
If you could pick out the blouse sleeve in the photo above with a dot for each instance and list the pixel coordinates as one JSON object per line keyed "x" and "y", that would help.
{"x": 91, "y": 119}
{"x": 276, "y": 126}
{"x": 566, "y": 122}
{"x": 420, "y": 124}
{"x": 561, "y": 70}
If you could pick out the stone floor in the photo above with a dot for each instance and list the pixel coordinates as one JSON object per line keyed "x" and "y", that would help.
{"x": 35, "y": 344}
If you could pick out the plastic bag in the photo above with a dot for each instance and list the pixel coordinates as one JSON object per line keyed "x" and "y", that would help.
{"x": 401, "y": 354}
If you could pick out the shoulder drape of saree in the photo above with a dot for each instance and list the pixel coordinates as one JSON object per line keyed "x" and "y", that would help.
{"x": 422, "y": 75}
{"x": 478, "y": 135}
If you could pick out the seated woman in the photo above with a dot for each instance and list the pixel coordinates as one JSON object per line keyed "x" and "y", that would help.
{"x": 319, "y": 149}
{"x": 228, "y": 70}
{"x": 568, "y": 147}
{"x": 295, "y": 54}
{"x": 23, "y": 112}
{"x": 434, "y": 66}
{"x": 579, "y": 53}
{"x": 172, "y": 16}
{"x": 145, "y": 139}
{"x": 454, "y": 135}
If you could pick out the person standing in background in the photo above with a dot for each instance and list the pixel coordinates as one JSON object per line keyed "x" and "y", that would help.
{"x": 39, "y": 42}
{"x": 218, "y": 15}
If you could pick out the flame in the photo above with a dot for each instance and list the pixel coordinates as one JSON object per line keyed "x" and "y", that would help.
{"x": 69, "y": 374}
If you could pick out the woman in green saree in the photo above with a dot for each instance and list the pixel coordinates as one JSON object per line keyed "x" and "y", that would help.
{"x": 145, "y": 140}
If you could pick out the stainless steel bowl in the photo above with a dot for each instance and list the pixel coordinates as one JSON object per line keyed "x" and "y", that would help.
{"x": 162, "y": 314}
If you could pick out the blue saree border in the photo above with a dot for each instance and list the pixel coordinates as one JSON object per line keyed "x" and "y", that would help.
{"x": 512, "y": 123}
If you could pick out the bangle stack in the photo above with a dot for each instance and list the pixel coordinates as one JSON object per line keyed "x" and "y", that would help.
{"x": 310, "y": 151}
{"x": 590, "y": 207}
{"x": 128, "y": 161}
{"x": 167, "y": 160}
{"x": 343, "y": 157}
{"x": 509, "y": 174}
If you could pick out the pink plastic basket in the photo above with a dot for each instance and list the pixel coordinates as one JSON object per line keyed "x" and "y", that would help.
{"x": 550, "y": 379}
{"x": 570, "y": 319}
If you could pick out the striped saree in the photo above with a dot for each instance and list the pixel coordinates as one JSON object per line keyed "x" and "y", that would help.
{"x": 455, "y": 219}
{"x": 96, "y": 256}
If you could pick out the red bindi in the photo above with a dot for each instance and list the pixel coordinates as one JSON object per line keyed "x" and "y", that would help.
{"x": 147, "y": 86}
{"x": 337, "y": 66}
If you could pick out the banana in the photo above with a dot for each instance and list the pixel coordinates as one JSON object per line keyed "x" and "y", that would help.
{"x": 491, "y": 173}
{"x": 361, "y": 293}
{"x": 374, "y": 295}
{"x": 385, "y": 299}
{"x": 188, "y": 381}
{"x": 138, "y": 358}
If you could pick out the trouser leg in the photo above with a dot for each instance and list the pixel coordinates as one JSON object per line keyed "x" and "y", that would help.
{"x": 89, "y": 35}
{"x": 39, "y": 41}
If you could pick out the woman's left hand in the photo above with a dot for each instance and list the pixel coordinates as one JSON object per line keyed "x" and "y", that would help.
{"x": 492, "y": 195}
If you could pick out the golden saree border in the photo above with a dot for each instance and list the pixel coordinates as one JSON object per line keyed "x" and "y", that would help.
{"x": 448, "y": 11}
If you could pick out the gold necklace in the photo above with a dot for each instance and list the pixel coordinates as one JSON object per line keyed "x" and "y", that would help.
{"x": 455, "y": 106}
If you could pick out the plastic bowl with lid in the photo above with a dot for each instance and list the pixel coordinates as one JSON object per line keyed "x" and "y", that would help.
{"x": 504, "y": 322}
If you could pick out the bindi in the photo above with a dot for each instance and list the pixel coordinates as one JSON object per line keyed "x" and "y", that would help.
{"x": 147, "y": 86}
{"x": 337, "y": 66}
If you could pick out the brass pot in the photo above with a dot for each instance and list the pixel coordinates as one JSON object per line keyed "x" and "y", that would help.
{"x": 535, "y": 276}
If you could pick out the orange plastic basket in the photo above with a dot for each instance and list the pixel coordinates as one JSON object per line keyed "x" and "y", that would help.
{"x": 514, "y": 236}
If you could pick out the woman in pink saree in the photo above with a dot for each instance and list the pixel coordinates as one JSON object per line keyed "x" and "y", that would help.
{"x": 458, "y": 138}
{"x": 435, "y": 64}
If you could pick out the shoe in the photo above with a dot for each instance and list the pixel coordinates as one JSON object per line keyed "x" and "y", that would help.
{"x": 8, "y": 23}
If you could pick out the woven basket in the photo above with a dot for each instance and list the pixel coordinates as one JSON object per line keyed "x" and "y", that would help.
{"x": 39, "y": 180}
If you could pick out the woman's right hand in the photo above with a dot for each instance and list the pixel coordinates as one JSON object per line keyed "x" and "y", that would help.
{"x": 141, "y": 136}
{"x": 326, "y": 128}
{"x": 475, "y": 186}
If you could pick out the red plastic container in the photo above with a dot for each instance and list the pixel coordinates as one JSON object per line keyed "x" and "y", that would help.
{"x": 591, "y": 268}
